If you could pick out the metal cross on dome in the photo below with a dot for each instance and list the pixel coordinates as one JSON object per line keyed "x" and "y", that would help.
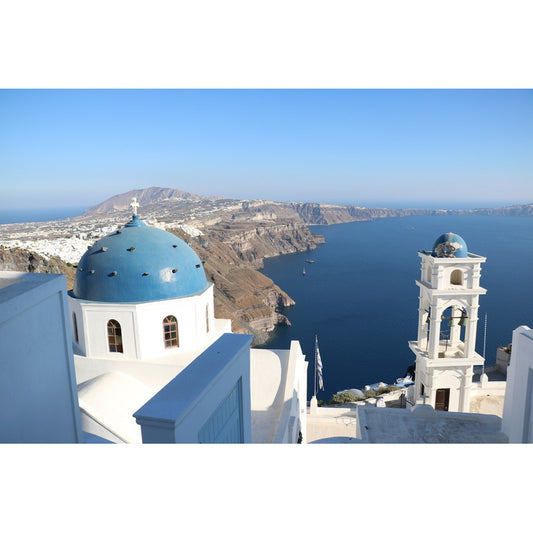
{"x": 134, "y": 205}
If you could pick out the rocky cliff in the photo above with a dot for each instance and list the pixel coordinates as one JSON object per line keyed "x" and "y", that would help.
{"x": 322, "y": 214}
{"x": 16, "y": 259}
{"x": 525, "y": 210}
{"x": 253, "y": 242}
{"x": 230, "y": 256}
{"x": 167, "y": 204}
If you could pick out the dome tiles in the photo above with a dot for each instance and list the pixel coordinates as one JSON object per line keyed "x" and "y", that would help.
{"x": 450, "y": 245}
{"x": 138, "y": 263}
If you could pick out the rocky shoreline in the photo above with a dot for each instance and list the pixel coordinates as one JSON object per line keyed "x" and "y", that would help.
{"x": 232, "y": 253}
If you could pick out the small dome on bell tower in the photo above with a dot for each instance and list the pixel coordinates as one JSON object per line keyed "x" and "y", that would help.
{"x": 450, "y": 245}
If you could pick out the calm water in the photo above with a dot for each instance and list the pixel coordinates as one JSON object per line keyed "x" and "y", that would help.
{"x": 12, "y": 216}
{"x": 361, "y": 299}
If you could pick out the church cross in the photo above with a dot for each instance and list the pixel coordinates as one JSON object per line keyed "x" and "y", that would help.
{"x": 134, "y": 205}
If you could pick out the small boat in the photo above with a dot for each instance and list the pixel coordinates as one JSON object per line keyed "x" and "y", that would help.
{"x": 303, "y": 272}
{"x": 309, "y": 261}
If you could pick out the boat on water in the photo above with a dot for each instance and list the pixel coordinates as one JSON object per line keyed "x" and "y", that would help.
{"x": 303, "y": 272}
{"x": 309, "y": 261}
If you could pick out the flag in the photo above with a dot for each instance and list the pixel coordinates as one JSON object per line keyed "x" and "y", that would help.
{"x": 319, "y": 367}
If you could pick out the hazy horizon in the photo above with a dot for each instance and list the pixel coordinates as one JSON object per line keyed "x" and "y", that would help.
{"x": 375, "y": 148}
{"x": 44, "y": 213}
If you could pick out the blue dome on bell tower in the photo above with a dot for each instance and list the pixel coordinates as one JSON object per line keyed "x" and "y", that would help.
{"x": 138, "y": 263}
{"x": 450, "y": 245}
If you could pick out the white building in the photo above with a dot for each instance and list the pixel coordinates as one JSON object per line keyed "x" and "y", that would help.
{"x": 148, "y": 351}
{"x": 518, "y": 407}
{"x": 151, "y": 364}
{"x": 37, "y": 382}
{"x": 134, "y": 354}
{"x": 447, "y": 324}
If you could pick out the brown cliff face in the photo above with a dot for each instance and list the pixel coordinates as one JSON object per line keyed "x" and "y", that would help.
{"x": 230, "y": 255}
{"x": 253, "y": 242}
{"x": 18, "y": 260}
{"x": 323, "y": 214}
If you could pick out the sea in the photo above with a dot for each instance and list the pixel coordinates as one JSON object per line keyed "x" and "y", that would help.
{"x": 360, "y": 298}
{"x": 38, "y": 214}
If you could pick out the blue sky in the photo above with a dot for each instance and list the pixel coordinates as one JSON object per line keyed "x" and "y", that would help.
{"x": 409, "y": 148}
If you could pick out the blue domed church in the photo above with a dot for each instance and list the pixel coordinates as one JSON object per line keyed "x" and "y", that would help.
{"x": 154, "y": 365}
{"x": 141, "y": 293}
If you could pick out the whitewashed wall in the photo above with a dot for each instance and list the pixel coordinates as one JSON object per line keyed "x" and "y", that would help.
{"x": 38, "y": 397}
{"x": 142, "y": 325}
{"x": 518, "y": 407}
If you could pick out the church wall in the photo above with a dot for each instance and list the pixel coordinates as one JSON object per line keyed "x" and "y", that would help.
{"x": 518, "y": 407}
{"x": 142, "y": 326}
{"x": 438, "y": 274}
{"x": 95, "y": 319}
{"x": 433, "y": 379}
{"x": 37, "y": 382}
{"x": 449, "y": 379}
{"x": 190, "y": 315}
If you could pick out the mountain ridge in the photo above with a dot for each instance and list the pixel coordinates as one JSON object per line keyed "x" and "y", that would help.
{"x": 168, "y": 200}
{"x": 146, "y": 196}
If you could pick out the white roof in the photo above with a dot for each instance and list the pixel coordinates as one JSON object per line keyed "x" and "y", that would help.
{"x": 110, "y": 401}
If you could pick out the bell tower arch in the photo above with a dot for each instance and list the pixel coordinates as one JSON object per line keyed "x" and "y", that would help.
{"x": 447, "y": 324}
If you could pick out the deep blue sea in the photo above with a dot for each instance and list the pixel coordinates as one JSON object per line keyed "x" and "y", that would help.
{"x": 40, "y": 214}
{"x": 361, "y": 299}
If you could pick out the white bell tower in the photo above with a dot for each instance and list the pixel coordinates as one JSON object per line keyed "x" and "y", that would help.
{"x": 447, "y": 323}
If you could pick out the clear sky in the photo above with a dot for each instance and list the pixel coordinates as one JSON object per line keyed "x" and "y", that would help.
{"x": 406, "y": 148}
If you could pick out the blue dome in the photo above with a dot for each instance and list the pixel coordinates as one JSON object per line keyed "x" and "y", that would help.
{"x": 450, "y": 245}
{"x": 138, "y": 263}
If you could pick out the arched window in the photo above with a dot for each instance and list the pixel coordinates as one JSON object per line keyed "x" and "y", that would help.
{"x": 114, "y": 336}
{"x": 456, "y": 277}
{"x": 207, "y": 318}
{"x": 170, "y": 330}
{"x": 75, "y": 326}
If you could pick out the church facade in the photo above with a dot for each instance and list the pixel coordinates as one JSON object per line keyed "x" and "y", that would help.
{"x": 141, "y": 293}
{"x": 445, "y": 349}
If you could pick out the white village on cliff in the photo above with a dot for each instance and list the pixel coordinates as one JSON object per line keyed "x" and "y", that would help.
{"x": 134, "y": 354}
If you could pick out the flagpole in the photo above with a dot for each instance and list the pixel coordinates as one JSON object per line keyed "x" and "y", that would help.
{"x": 316, "y": 341}
{"x": 484, "y": 342}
